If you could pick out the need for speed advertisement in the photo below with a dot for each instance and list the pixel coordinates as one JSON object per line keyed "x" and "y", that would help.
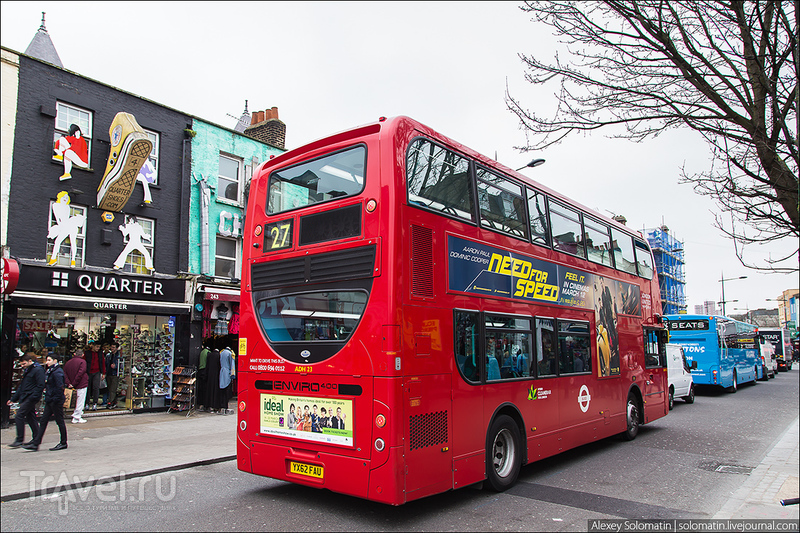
{"x": 481, "y": 269}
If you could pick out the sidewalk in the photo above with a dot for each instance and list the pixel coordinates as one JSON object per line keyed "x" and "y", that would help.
{"x": 108, "y": 446}
{"x": 776, "y": 478}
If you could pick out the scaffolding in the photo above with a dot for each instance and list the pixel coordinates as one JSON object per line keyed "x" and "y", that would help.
{"x": 668, "y": 255}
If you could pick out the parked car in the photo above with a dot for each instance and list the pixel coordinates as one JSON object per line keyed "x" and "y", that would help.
{"x": 679, "y": 374}
{"x": 768, "y": 358}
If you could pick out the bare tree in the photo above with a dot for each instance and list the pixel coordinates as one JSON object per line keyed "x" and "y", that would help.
{"x": 727, "y": 69}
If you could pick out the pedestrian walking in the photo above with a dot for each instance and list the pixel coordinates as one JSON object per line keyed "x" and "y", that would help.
{"x": 29, "y": 392}
{"x": 77, "y": 378}
{"x": 53, "y": 406}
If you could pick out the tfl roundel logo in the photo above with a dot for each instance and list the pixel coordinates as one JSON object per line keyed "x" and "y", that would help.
{"x": 584, "y": 398}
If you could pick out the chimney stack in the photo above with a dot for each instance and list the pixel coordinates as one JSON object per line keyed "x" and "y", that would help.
{"x": 265, "y": 126}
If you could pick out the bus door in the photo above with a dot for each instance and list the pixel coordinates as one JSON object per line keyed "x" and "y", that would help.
{"x": 580, "y": 401}
{"x": 428, "y": 455}
{"x": 655, "y": 389}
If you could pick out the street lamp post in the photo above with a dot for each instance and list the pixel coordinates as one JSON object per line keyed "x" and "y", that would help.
{"x": 781, "y": 309}
{"x": 723, "y": 280}
{"x": 534, "y": 163}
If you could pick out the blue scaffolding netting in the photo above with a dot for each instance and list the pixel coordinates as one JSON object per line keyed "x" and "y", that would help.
{"x": 670, "y": 265}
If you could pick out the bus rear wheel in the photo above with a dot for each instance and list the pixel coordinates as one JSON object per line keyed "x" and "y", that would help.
{"x": 503, "y": 453}
{"x": 735, "y": 386}
{"x": 632, "y": 416}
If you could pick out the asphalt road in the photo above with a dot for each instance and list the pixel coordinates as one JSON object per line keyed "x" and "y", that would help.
{"x": 685, "y": 465}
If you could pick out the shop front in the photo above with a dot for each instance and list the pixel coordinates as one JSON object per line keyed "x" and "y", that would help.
{"x": 220, "y": 316}
{"x": 57, "y": 311}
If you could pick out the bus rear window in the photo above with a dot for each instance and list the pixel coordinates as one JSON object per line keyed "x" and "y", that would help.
{"x": 316, "y": 316}
{"x": 333, "y": 176}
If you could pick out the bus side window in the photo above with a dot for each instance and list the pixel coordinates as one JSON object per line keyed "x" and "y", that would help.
{"x": 465, "y": 344}
{"x": 545, "y": 348}
{"x": 573, "y": 347}
{"x": 439, "y": 179}
{"x": 654, "y": 348}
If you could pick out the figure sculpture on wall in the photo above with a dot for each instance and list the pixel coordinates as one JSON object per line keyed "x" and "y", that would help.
{"x": 135, "y": 234}
{"x": 66, "y": 226}
{"x": 147, "y": 176}
{"x": 72, "y": 149}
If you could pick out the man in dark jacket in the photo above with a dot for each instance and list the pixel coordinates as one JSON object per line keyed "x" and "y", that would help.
{"x": 29, "y": 392}
{"x": 112, "y": 374}
{"x": 53, "y": 406}
{"x": 96, "y": 368}
{"x": 76, "y": 378}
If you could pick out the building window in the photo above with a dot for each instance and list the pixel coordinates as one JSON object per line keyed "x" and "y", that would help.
{"x": 67, "y": 221}
{"x": 151, "y": 174}
{"x": 228, "y": 184}
{"x": 225, "y": 263}
{"x": 136, "y": 262}
{"x": 72, "y": 137}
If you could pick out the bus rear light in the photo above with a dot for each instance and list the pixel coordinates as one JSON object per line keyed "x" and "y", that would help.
{"x": 380, "y": 421}
{"x": 257, "y": 230}
{"x": 242, "y": 425}
{"x": 371, "y": 205}
{"x": 714, "y": 374}
{"x": 379, "y": 444}
{"x": 242, "y": 406}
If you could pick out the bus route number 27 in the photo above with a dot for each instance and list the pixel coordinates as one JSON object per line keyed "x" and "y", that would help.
{"x": 278, "y": 235}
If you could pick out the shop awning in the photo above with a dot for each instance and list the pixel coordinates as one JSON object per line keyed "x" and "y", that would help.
{"x": 221, "y": 294}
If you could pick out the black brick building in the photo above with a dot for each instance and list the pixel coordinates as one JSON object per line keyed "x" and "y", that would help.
{"x": 61, "y": 304}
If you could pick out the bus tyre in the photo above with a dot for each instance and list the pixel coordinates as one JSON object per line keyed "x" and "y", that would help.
{"x": 690, "y": 398}
{"x": 671, "y": 398}
{"x": 632, "y": 416}
{"x": 503, "y": 453}
{"x": 733, "y": 388}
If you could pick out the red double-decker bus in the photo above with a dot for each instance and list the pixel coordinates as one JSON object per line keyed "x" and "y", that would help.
{"x": 416, "y": 317}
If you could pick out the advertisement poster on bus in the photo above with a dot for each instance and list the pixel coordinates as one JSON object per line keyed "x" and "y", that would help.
{"x": 481, "y": 269}
{"x": 323, "y": 420}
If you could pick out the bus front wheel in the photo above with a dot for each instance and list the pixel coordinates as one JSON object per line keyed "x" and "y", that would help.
{"x": 503, "y": 453}
{"x": 632, "y": 415}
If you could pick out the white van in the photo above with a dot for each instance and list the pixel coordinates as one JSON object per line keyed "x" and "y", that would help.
{"x": 767, "y": 352}
{"x": 679, "y": 373}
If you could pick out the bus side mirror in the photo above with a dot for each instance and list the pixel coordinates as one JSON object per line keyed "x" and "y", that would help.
{"x": 694, "y": 365}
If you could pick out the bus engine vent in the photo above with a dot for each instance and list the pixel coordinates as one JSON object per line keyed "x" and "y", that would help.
{"x": 421, "y": 261}
{"x": 428, "y": 430}
{"x": 353, "y": 263}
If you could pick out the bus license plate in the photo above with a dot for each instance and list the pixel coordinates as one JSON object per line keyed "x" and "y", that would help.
{"x": 306, "y": 470}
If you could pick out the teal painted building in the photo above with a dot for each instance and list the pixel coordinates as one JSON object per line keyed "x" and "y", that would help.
{"x": 222, "y": 163}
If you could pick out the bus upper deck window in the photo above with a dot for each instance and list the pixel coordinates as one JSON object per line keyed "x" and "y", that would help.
{"x": 326, "y": 178}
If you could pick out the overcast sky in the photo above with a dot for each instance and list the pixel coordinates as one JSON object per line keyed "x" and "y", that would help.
{"x": 330, "y": 66}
